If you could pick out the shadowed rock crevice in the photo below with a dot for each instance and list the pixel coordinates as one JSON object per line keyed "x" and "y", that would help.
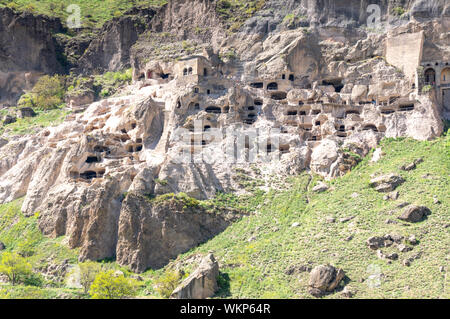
{"x": 151, "y": 232}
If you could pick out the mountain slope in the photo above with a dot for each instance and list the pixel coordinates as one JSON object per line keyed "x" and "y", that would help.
{"x": 256, "y": 253}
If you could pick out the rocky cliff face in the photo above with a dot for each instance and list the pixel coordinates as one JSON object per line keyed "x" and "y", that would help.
{"x": 27, "y": 50}
{"x": 219, "y": 111}
{"x": 110, "y": 49}
{"x": 153, "y": 233}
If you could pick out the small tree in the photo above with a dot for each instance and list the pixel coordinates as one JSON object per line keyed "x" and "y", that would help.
{"x": 109, "y": 286}
{"x": 48, "y": 92}
{"x": 167, "y": 283}
{"x": 15, "y": 267}
{"x": 88, "y": 271}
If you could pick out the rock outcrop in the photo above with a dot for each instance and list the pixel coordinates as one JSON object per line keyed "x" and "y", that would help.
{"x": 414, "y": 214}
{"x": 27, "y": 51}
{"x": 151, "y": 232}
{"x": 386, "y": 183}
{"x": 202, "y": 283}
{"x": 324, "y": 279}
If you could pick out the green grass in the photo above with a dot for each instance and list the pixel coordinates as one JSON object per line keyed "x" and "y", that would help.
{"x": 93, "y": 12}
{"x": 256, "y": 268}
{"x": 32, "y": 124}
{"x": 21, "y": 234}
{"x": 235, "y": 12}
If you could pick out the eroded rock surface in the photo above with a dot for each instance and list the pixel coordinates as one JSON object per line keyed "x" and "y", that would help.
{"x": 202, "y": 283}
{"x": 151, "y": 233}
{"x": 324, "y": 279}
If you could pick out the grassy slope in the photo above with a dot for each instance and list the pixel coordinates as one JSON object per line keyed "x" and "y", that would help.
{"x": 257, "y": 268}
{"x": 31, "y": 124}
{"x": 93, "y": 12}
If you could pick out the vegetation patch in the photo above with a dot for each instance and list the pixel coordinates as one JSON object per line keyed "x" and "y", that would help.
{"x": 93, "y": 13}
{"x": 235, "y": 12}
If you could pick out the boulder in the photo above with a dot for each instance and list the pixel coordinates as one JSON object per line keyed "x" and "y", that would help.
{"x": 320, "y": 187}
{"x": 202, "y": 283}
{"x": 26, "y": 112}
{"x": 375, "y": 242}
{"x": 324, "y": 279}
{"x": 8, "y": 119}
{"x": 414, "y": 214}
{"x": 386, "y": 183}
{"x": 359, "y": 92}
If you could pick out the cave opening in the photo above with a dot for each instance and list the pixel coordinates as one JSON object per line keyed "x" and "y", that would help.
{"x": 88, "y": 175}
{"x": 407, "y": 107}
{"x": 92, "y": 159}
{"x": 336, "y": 83}
{"x": 279, "y": 96}
{"x": 370, "y": 127}
{"x": 272, "y": 86}
{"x": 213, "y": 109}
{"x": 257, "y": 85}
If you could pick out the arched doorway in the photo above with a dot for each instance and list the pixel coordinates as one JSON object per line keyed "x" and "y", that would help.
{"x": 430, "y": 76}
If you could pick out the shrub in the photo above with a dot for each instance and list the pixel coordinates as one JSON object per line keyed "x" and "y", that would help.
{"x": 427, "y": 88}
{"x": 26, "y": 100}
{"x": 167, "y": 283}
{"x": 15, "y": 267}
{"x": 88, "y": 272}
{"x": 48, "y": 92}
{"x": 107, "y": 84}
{"x": 33, "y": 279}
{"x": 399, "y": 11}
{"x": 109, "y": 286}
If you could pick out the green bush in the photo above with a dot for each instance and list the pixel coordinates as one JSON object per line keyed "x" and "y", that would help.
{"x": 167, "y": 283}
{"x": 107, "y": 84}
{"x": 88, "y": 272}
{"x": 33, "y": 279}
{"x": 48, "y": 92}
{"x": 427, "y": 88}
{"x": 109, "y": 286}
{"x": 15, "y": 267}
{"x": 26, "y": 100}
{"x": 399, "y": 11}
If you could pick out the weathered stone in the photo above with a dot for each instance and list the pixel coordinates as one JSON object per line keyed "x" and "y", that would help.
{"x": 324, "y": 279}
{"x": 320, "y": 187}
{"x": 414, "y": 214}
{"x": 152, "y": 233}
{"x": 412, "y": 240}
{"x": 346, "y": 219}
{"x": 403, "y": 248}
{"x": 297, "y": 269}
{"x": 348, "y": 292}
{"x": 26, "y": 112}
{"x": 202, "y": 283}
{"x": 8, "y": 119}
{"x": 386, "y": 183}
{"x": 375, "y": 242}
{"x": 408, "y": 167}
